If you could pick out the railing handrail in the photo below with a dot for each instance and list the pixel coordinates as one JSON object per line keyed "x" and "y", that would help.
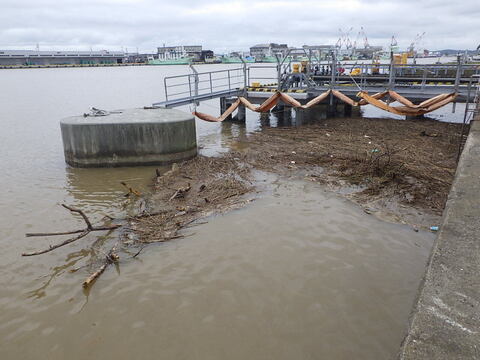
{"x": 203, "y": 83}
{"x": 226, "y": 80}
{"x": 262, "y": 66}
{"x": 202, "y": 73}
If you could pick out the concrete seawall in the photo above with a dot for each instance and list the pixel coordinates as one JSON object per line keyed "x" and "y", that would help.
{"x": 445, "y": 321}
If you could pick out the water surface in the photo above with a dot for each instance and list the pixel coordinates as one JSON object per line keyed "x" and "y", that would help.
{"x": 299, "y": 273}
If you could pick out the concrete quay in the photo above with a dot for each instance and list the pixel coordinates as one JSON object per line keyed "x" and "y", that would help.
{"x": 445, "y": 321}
{"x": 129, "y": 138}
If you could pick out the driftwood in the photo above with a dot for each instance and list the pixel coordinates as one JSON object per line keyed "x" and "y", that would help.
{"x": 110, "y": 258}
{"x": 180, "y": 192}
{"x": 82, "y": 232}
{"x": 130, "y": 190}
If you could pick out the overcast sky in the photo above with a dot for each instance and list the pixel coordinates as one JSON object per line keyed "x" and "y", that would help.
{"x": 225, "y": 26}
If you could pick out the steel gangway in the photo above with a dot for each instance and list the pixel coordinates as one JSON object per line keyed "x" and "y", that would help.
{"x": 413, "y": 80}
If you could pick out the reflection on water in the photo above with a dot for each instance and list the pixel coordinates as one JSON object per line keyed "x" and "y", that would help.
{"x": 100, "y": 192}
{"x": 299, "y": 274}
{"x": 71, "y": 260}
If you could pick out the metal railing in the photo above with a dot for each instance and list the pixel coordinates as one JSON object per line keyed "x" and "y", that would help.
{"x": 472, "y": 109}
{"x": 203, "y": 83}
{"x": 200, "y": 86}
{"x": 391, "y": 75}
{"x": 253, "y": 73}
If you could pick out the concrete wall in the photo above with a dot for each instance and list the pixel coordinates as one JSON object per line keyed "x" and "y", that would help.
{"x": 445, "y": 322}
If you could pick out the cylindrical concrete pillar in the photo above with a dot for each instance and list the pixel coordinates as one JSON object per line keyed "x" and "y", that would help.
{"x": 129, "y": 138}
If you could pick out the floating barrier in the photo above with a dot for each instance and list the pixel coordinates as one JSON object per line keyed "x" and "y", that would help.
{"x": 408, "y": 108}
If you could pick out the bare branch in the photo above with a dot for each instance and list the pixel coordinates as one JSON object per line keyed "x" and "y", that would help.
{"x": 83, "y": 233}
{"x": 89, "y": 225}
{"x": 131, "y": 190}
{"x": 55, "y": 233}
{"x": 94, "y": 276}
{"x": 94, "y": 228}
{"x": 53, "y": 247}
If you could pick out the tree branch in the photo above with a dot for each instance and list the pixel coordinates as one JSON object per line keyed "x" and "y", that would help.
{"x": 89, "y": 225}
{"x": 53, "y": 247}
{"x": 110, "y": 258}
{"x": 82, "y": 232}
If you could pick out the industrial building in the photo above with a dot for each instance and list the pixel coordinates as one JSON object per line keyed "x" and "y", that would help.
{"x": 35, "y": 57}
{"x": 179, "y": 52}
{"x": 319, "y": 51}
{"x": 266, "y": 50}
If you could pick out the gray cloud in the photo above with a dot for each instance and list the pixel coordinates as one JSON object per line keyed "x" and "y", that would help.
{"x": 233, "y": 25}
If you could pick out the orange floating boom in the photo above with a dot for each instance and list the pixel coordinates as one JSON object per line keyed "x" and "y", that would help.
{"x": 409, "y": 108}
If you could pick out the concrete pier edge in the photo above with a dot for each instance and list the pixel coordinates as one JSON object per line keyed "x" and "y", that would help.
{"x": 445, "y": 320}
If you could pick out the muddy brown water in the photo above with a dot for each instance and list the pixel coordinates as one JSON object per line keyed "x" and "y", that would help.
{"x": 299, "y": 273}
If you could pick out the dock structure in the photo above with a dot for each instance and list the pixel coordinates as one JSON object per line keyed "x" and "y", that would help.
{"x": 313, "y": 77}
{"x": 445, "y": 321}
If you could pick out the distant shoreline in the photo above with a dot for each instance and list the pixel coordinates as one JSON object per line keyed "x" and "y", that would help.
{"x": 68, "y": 66}
{"x": 51, "y": 66}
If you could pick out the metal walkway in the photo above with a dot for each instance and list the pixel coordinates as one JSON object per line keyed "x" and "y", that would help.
{"x": 200, "y": 86}
{"x": 416, "y": 82}
{"x": 197, "y": 98}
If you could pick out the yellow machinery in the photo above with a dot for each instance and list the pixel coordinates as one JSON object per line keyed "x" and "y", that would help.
{"x": 400, "y": 59}
{"x": 304, "y": 66}
{"x": 355, "y": 72}
{"x": 296, "y": 68}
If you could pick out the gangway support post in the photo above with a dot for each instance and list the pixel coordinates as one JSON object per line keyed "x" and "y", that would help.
{"x": 332, "y": 81}
{"x": 241, "y": 113}
{"x": 245, "y": 82}
{"x": 196, "y": 82}
{"x": 391, "y": 75}
{"x": 457, "y": 79}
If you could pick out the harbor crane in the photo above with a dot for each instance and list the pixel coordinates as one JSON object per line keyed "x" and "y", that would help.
{"x": 393, "y": 43}
{"x": 414, "y": 43}
{"x": 344, "y": 39}
{"x": 362, "y": 33}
